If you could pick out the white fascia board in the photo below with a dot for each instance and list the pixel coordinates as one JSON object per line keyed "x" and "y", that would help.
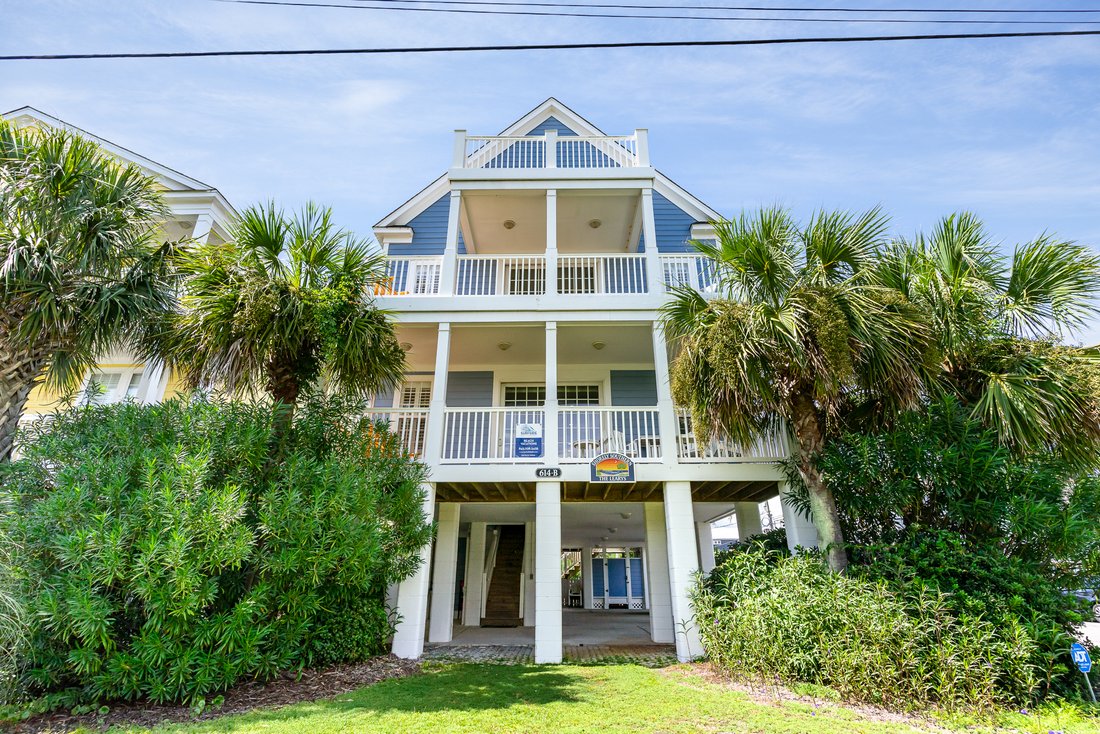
{"x": 551, "y": 108}
{"x": 682, "y": 198}
{"x": 393, "y": 235}
{"x": 702, "y": 231}
{"x": 418, "y": 203}
{"x": 169, "y": 177}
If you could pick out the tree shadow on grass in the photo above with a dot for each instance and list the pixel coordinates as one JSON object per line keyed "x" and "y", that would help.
{"x": 460, "y": 687}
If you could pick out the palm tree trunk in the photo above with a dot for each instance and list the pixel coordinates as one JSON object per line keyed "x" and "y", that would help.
{"x": 17, "y": 375}
{"x": 811, "y": 440}
{"x": 284, "y": 389}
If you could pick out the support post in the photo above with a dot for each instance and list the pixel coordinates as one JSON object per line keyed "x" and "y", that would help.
{"x": 548, "y": 572}
{"x": 800, "y": 529}
{"x": 551, "y": 242}
{"x": 550, "y": 448}
{"x": 748, "y": 520}
{"x": 458, "y": 158}
{"x": 529, "y": 574}
{"x": 551, "y": 148}
{"x": 435, "y": 428}
{"x": 655, "y": 281}
{"x": 705, "y": 537}
{"x": 412, "y": 595}
{"x": 682, "y": 565}
{"x": 641, "y": 135}
{"x": 449, "y": 266}
{"x": 660, "y": 594}
{"x": 475, "y": 575}
{"x": 586, "y": 576}
{"x": 666, "y": 409}
{"x": 441, "y": 620}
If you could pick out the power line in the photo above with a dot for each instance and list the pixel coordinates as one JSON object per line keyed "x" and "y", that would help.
{"x": 657, "y": 6}
{"x": 654, "y": 16}
{"x": 542, "y": 46}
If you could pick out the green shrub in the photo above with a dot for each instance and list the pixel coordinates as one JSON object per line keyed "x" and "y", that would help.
{"x": 170, "y": 551}
{"x": 12, "y": 616}
{"x": 768, "y": 616}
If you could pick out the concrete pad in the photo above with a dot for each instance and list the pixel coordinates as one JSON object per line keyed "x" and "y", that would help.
{"x": 579, "y": 627}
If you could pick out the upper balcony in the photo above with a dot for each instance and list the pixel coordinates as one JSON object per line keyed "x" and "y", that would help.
{"x": 551, "y": 155}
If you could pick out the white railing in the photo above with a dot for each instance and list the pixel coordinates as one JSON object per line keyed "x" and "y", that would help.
{"x": 550, "y": 151}
{"x": 498, "y": 275}
{"x": 411, "y": 276}
{"x": 410, "y": 425}
{"x": 606, "y": 151}
{"x": 498, "y": 151}
{"x": 695, "y": 271}
{"x": 485, "y": 435}
{"x": 601, "y": 274}
{"x": 766, "y": 448}
{"x": 588, "y": 432}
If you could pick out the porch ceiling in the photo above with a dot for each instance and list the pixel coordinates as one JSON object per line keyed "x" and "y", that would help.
{"x": 720, "y": 493}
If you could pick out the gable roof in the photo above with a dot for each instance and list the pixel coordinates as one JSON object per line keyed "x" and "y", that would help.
{"x": 170, "y": 178}
{"x": 549, "y": 110}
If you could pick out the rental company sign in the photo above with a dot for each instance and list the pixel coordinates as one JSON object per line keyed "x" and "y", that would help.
{"x": 528, "y": 440}
{"x": 612, "y": 467}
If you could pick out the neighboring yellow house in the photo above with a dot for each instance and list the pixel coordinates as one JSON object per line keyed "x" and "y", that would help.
{"x": 197, "y": 211}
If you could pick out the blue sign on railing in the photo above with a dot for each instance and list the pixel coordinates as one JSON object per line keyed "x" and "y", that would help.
{"x": 528, "y": 440}
{"x": 1081, "y": 657}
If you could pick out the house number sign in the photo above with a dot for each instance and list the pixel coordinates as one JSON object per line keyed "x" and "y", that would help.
{"x": 548, "y": 472}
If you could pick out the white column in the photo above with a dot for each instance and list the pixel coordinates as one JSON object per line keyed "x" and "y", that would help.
{"x": 475, "y": 575}
{"x": 748, "y": 520}
{"x": 547, "y": 572}
{"x": 660, "y": 594}
{"x": 682, "y": 565}
{"x": 412, "y": 595}
{"x": 444, "y": 566}
{"x": 450, "y": 250}
{"x": 586, "y": 576}
{"x": 642, "y": 136}
{"x": 800, "y": 529}
{"x": 705, "y": 538}
{"x": 433, "y": 432}
{"x": 666, "y": 409}
{"x": 203, "y": 224}
{"x": 550, "y": 417}
{"x": 654, "y": 276}
{"x": 551, "y": 242}
{"x": 551, "y": 148}
{"x": 458, "y": 157}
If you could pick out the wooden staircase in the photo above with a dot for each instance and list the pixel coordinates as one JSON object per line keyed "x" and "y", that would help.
{"x": 502, "y": 601}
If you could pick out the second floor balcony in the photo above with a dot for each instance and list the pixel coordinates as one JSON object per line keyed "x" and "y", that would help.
{"x": 539, "y": 274}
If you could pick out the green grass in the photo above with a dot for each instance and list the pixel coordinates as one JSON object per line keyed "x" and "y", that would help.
{"x": 565, "y": 698}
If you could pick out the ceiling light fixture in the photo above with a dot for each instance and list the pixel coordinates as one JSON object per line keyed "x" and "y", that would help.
{"x": 598, "y": 345}
{"x": 504, "y": 346}
{"x": 406, "y": 347}
{"x": 509, "y": 224}
{"x": 625, "y": 515}
{"x": 594, "y": 223}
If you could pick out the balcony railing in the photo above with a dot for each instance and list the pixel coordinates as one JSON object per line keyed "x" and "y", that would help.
{"x": 584, "y": 433}
{"x": 689, "y": 269}
{"x": 688, "y": 448}
{"x": 410, "y": 425}
{"x": 411, "y": 276}
{"x": 498, "y": 275}
{"x": 550, "y": 151}
{"x": 486, "y": 435}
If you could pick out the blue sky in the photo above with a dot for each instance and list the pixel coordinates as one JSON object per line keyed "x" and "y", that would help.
{"x": 1009, "y": 129}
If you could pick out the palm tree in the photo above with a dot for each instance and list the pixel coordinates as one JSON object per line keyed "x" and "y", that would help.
{"x": 80, "y": 262}
{"x": 284, "y": 307}
{"x": 999, "y": 323}
{"x": 797, "y": 333}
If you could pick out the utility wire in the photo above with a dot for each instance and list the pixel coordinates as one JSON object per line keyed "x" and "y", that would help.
{"x": 776, "y": 8}
{"x": 542, "y": 46}
{"x": 654, "y": 16}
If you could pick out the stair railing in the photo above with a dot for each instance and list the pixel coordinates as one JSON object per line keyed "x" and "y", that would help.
{"x": 487, "y": 572}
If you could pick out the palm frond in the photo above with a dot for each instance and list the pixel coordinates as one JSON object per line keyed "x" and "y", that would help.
{"x": 1053, "y": 286}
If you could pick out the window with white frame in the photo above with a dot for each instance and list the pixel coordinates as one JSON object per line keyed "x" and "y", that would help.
{"x": 533, "y": 396}
{"x": 112, "y": 386}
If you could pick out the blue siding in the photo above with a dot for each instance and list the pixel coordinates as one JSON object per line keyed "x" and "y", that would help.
{"x": 633, "y": 388}
{"x": 552, "y": 123}
{"x": 673, "y": 225}
{"x": 469, "y": 389}
{"x": 429, "y": 231}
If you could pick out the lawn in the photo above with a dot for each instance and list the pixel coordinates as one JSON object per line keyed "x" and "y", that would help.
{"x": 565, "y": 698}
